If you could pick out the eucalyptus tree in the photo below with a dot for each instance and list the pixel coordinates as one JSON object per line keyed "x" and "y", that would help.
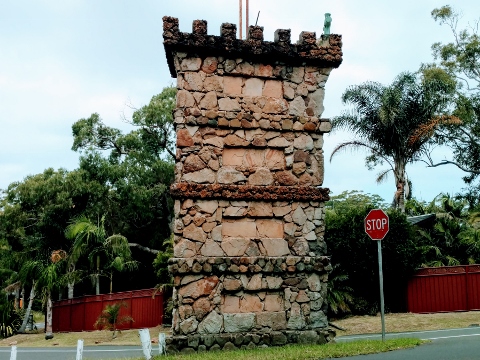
{"x": 459, "y": 58}
{"x": 395, "y": 123}
{"x": 137, "y": 168}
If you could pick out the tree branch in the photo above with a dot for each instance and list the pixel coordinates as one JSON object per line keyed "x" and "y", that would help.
{"x": 446, "y": 162}
{"x": 144, "y": 248}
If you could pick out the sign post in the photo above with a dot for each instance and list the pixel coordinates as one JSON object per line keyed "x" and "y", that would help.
{"x": 376, "y": 227}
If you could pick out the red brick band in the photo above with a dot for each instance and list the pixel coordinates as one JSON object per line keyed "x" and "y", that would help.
{"x": 249, "y": 192}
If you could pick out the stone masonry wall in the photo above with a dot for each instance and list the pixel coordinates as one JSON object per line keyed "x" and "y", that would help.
{"x": 250, "y": 262}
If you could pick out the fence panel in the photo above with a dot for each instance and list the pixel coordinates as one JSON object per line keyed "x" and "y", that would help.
{"x": 80, "y": 314}
{"x": 444, "y": 289}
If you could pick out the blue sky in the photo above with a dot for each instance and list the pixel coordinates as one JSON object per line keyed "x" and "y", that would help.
{"x": 63, "y": 60}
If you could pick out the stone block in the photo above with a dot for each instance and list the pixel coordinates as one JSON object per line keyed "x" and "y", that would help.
{"x": 274, "y": 302}
{"x": 246, "y": 229}
{"x": 233, "y": 157}
{"x": 231, "y": 304}
{"x": 273, "y": 320}
{"x": 232, "y": 85}
{"x": 273, "y": 88}
{"x": 234, "y": 323}
{"x": 269, "y": 228}
{"x": 250, "y": 304}
{"x": 206, "y": 206}
{"x": 253, "y": 87}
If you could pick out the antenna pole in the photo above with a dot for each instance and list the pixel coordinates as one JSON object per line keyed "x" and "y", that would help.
{"x": 240, "y": 17}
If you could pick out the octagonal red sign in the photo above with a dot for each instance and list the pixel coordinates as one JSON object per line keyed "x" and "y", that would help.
{"x": 376, "y": 224}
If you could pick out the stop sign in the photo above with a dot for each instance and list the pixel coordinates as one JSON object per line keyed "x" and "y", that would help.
{"x": 376, "y": 224}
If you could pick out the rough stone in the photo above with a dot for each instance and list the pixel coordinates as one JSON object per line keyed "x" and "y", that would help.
{"x": 209, "y": 65}
{"x": 275, "y": 247}
{"x": 202, "y": 307}
{"x": 303, "y": 142}
{"x": 191, "y": 64}
{"x": 199, "y": 288}
{"x": 209, "y": 101}
{"x": 228, "y": 104}
{"x": 184, "y": 248}
{"x": 193, "y": 232}
{"x": 286, "y": 178}
{"x": 184, "y": 139}
{"x": 299, "y": 216}
{"x": 297, "y": 106}
{"x": 261, "y": 177}
{"x": 200, "y": 177}
{"x": 227, "y": 175}
{"x": 189, "y": 326}
{"x": 235, "y": 246}
{"x": 260, "y": 208}
{"x": 211, "y": 324}
{"x": 211, "y": 248}
{"x": 296, "y": 320}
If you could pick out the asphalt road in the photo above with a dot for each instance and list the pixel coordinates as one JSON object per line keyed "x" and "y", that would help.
{"x": 458, "y": 344}
{"x": 89, "y": 352}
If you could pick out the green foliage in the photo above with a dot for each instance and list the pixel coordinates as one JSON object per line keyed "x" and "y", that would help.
{"x": 355, "y": 255}
{"x": 394, "y": 123}
{"x": 11, "y": 318}
{"x": 105, "y": 253}
{"x": 339, "y": 296}
{"x": 110, "y": 318}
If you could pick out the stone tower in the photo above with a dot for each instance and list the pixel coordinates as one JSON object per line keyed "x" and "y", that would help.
{"x": 250, "y": 264}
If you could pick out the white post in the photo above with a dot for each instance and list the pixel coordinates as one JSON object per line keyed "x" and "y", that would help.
{"x": 161, "y": 344}
{"x": 146, "y": 343}
{"x": 13, "y": 354}
{"x": 79, "y": 349}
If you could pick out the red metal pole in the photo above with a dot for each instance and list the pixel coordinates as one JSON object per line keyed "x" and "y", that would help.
{"x": 246, "y": 17}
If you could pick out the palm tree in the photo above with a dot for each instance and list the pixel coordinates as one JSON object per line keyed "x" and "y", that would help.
{"x": 113, "y": 252}
{"x": 48, "y": 276}
{"x": 395, "y": 123}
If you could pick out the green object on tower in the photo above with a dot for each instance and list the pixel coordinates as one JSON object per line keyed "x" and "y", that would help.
{"x": 326, "y": 24}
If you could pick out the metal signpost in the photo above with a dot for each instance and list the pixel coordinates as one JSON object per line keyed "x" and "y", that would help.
{"x": 376, "y": 227}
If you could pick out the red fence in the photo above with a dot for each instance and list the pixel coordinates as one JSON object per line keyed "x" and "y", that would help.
{"x": 79, "y": 314}
{"x": 450, "y": 288}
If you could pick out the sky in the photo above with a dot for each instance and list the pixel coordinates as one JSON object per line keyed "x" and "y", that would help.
{"x": 62, "y": 60}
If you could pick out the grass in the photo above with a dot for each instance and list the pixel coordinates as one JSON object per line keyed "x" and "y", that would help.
{"x": 407, "y": 322}
{"x": 304, "y": 352}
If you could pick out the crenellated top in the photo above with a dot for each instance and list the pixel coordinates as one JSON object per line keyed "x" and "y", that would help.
{"x": 323, "y": 52}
